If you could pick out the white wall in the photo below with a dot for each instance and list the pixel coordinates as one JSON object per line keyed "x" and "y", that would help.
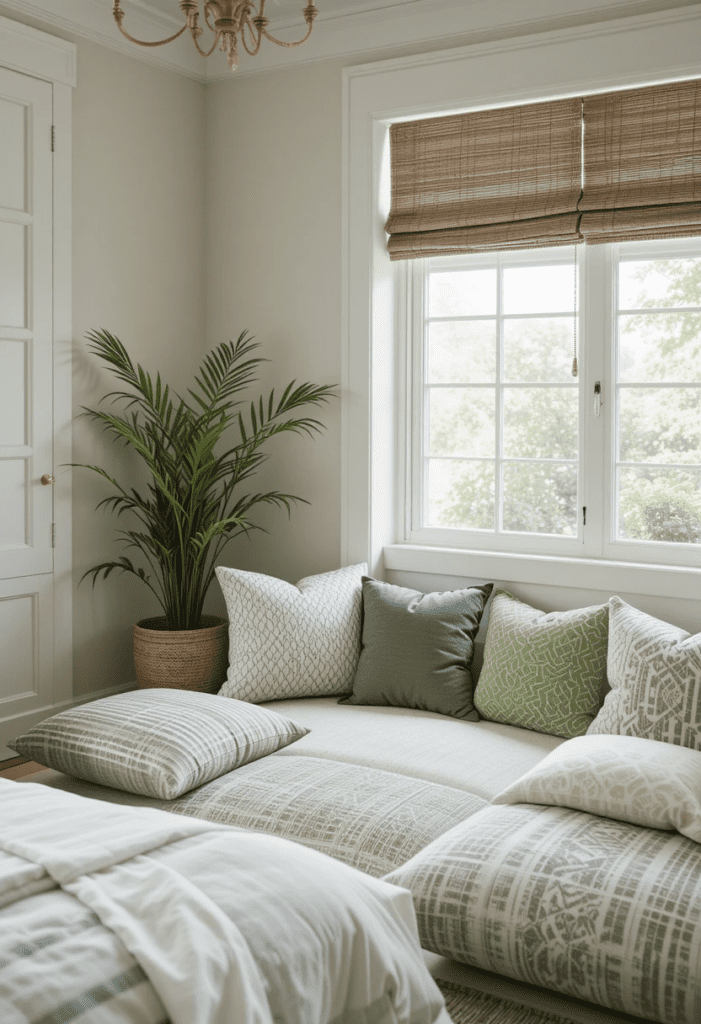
{"x": 138, "y": 271}
{"x": 273, "y": 266}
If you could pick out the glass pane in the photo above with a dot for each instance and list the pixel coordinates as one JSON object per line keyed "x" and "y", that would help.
{"x": 462, "y": 352}
{"x": 460, "y": 494}
{"x": 461, "y": 421}
{"x": 661, "y": 425}
{"x": 645, "y": 284}
{"x": 462, "y": 293}
{"x": 539, "y": 350}
{"x": 544, "y": 289}
{"x": 540, "y": 498}
{"x": 660, "y": 505}
{"x": 659, "y": 347}
{"x": 541, "y": 423}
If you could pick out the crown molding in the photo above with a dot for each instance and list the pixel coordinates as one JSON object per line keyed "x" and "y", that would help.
{"x": 340, "y": 31}
{"x": 37, "y": 53}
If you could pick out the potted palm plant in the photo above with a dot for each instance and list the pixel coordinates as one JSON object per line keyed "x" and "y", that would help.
{"x": 198, "y": 452}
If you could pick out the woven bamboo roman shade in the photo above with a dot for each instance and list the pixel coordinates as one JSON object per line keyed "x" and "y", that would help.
{"x": 513, "y": 178}
{"x": 494, "y": 179}
{"x": 642, "y": 163}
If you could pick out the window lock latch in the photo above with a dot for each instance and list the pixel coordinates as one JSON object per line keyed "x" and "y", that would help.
{"x": 597, "y": 398}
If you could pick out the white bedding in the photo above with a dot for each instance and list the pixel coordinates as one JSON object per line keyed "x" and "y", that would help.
{"x": 112, "y": 913}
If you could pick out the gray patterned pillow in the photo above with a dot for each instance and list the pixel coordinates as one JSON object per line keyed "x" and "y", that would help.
{"x": 543, "y": 671}
{"x": 156, "y": 742}
{"x": 600, "y": 910}
{"x": 654, "y": 671}
{"x": 623, "y": 777}
{"x": 289, "y": 640}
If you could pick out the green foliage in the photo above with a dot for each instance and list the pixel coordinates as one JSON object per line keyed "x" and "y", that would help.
{"x": 667, "y": 509}
{"x": 662, "y": 426}
{"x": 539, "y": 423}
{"x": 191, "y": 507}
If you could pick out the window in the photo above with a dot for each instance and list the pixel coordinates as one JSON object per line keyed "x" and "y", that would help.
{"x": 508, "y": 450}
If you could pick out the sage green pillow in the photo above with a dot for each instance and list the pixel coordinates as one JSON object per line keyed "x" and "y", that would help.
{"x": 417, "y": 648}
{"x": 543, "y": 671}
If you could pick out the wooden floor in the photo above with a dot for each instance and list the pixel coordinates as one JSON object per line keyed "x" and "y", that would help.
{"x": 16, "y": 771}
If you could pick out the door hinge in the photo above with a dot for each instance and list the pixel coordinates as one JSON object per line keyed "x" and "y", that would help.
{"x": 584, "y": 515}
{"x": 53, "y": 535}
{"x": 53, "y": 137}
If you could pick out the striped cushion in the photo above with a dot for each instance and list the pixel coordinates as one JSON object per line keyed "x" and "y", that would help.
{"x": 156, "y": 742}
{"x": 597, "y": 909}
{"x": 370, "y": 819}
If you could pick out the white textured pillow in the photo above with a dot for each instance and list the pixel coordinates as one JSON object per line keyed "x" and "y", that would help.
{"x": 654, "y": 670}
{"x": 292, "y": 641}
{"x": 641, "y": 781}
{"x": 156, "y": 742}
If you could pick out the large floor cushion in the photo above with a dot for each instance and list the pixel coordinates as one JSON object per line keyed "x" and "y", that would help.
{"x": 479, "y": 757}
{"x": 370, "y": 819}
{"x": 594, "y": 908}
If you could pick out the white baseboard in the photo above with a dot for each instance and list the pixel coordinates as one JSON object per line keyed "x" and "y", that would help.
{"x": 15, "y": 725}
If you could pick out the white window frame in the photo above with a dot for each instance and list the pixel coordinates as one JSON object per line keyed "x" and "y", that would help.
{"x": 597, "y": 363}
{"x": 411, "y": 285}
{"x": 643, "y": 50}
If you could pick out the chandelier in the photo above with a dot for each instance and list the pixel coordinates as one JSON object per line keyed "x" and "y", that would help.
{"x": 228, "y": 20}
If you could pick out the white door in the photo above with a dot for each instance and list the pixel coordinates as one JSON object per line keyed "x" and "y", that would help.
{"x": 26, "y": 396}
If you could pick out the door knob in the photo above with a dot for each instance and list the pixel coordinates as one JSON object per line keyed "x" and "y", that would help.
{"x": 48, "y": 479}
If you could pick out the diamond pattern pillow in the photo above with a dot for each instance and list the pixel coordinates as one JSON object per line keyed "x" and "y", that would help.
{"x": 543, "y": 671}
{"x": 654, "y": 671}
{"x": 156, "y": 742}
{"x": 289, "y": 640}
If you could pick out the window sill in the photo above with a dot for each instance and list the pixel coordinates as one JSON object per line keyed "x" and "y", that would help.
{"x": 580, "y": 573}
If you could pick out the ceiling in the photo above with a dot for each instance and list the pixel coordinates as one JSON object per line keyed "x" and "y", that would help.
{"x": 354, "y": 30}
{"x": 278, "y": 9}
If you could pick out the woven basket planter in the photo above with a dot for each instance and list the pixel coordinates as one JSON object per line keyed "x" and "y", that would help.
{"x": 185, "y": 659}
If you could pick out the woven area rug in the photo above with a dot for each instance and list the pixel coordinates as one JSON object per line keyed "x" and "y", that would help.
{"x": 468, "y": 1006}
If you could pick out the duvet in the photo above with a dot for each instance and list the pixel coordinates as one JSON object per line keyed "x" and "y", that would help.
{"x": 114, "y": 914}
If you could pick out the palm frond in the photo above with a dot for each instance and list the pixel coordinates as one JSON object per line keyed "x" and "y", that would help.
{"x": 197, "y": 452}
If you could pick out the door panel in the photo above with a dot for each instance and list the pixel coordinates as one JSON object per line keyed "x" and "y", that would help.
{"x": 13, "y": 118}
{"x": 26, "y": 326}
{"x": 13, "y": 275}
{"x": 26, "y": 665}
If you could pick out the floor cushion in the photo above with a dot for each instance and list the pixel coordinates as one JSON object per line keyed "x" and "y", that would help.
{"x": 597, "y": 909}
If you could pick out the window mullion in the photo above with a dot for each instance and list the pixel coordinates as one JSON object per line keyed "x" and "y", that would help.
{"x": 499, "y": 409}
{"x": 596, "y": 325}
{"x": 416, "y": 378}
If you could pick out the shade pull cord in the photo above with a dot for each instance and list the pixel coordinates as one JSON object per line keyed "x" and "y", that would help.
{"x": 575, "y": 366}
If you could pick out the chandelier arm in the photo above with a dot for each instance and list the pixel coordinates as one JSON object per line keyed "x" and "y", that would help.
{"x": 281, "y": 42}
{"x": 206, "y": 53}
{"x": 119, "y": 15}
{"x": 256, "y": 39}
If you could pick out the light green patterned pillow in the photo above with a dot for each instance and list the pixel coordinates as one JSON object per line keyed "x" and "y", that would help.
{"x": 543, "y": 671}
